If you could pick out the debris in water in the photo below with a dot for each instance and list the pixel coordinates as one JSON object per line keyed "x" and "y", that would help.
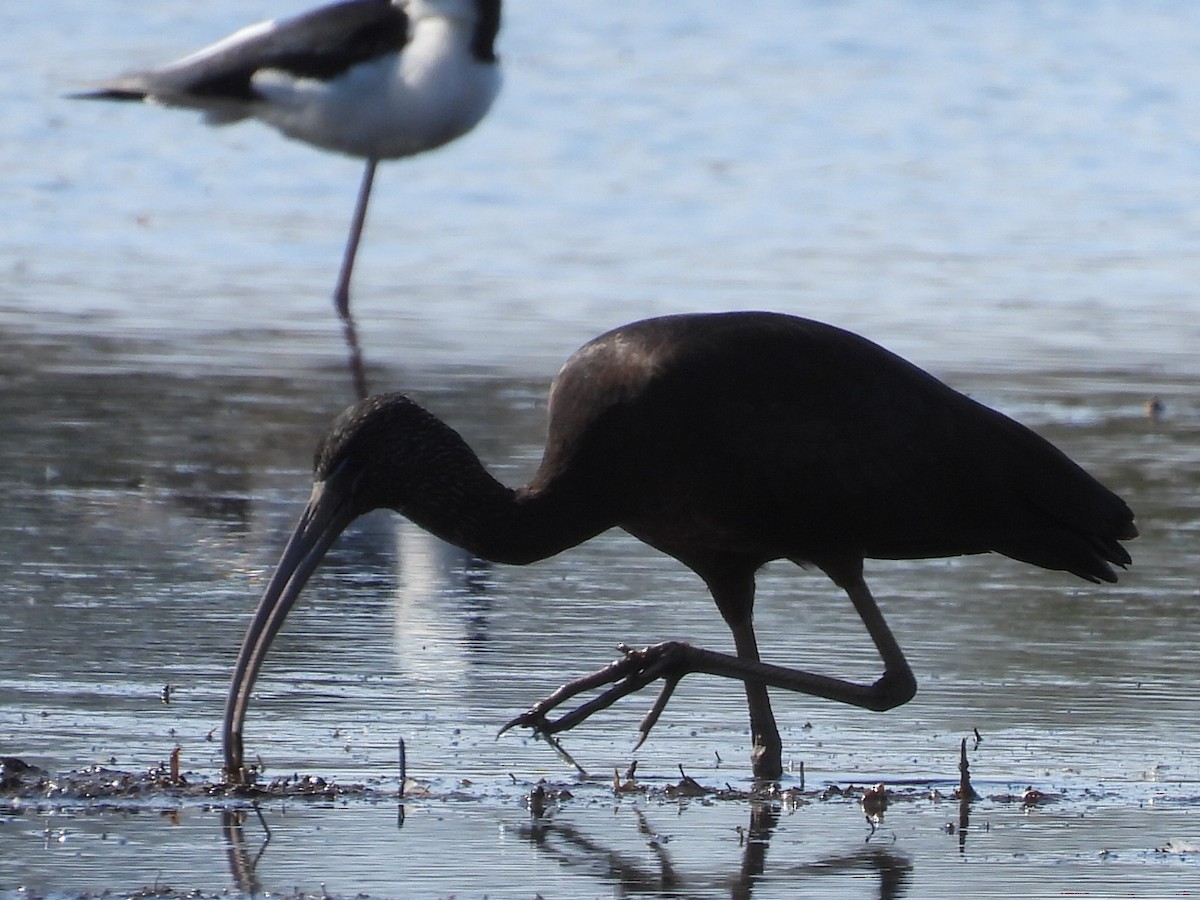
{"x": 629, "y": 786}
{"x": 537, "y": 801}
{"x": 687, "y": 787}
{"x": 874, "y": 803}
{"x": 965, "y": 792}
{"x": 15, "y": 771}
{"x": 1032, "y": 796}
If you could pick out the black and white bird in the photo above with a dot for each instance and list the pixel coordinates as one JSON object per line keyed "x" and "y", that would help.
{"x": 377, "y": 79}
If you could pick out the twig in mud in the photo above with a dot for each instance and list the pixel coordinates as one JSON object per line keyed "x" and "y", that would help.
{"x": 629, "y": 785}
{"x": 965, "y": 791}
{"x": 689, "y": 786}
{"x": 403, "y": 768}
{"x": 966, "y": 794}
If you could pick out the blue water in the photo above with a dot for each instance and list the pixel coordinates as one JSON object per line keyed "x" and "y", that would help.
{"x": 1003, "y": 192}
{"x": 1018, "y": 175}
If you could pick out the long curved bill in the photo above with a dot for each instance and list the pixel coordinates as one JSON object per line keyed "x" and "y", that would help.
{"x": 328, "y": 513}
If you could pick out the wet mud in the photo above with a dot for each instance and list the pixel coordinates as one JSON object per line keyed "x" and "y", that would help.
{"x": 556, "y": 820}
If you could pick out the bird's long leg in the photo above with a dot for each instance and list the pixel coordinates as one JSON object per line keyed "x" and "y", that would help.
{"x": 341, "y": 291}
{"x": 673, "y": 660}
{"x": 766, "y": 750}
{"x": 897, "y": 685}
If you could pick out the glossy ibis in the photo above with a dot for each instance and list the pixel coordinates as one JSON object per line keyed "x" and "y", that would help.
{"x": 377, "y": 79}
{"x": 725, "y": 440}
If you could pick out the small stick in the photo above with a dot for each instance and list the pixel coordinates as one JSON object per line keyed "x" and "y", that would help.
{"x": 403, "y": 768}
{"x": 965, "y": 791}
{"x": 966, "y": 794}
{"x": 687, "y": 781}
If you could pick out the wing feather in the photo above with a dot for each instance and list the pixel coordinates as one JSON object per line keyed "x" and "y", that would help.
{"x": 321, "y": 44}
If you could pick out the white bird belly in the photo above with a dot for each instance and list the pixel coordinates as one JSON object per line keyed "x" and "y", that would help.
{"x": 395, "y": 106}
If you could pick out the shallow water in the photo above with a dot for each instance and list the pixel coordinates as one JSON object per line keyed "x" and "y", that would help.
{"x": 1002, "y": 192}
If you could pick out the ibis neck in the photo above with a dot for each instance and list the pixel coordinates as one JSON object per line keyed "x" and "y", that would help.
{"x": 466, "y": 506}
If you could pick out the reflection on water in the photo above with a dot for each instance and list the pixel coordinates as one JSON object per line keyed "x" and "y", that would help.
{"x": 571, "y": 848}
{"x": 634, "y": 855}
{"x": 242, "y": 860}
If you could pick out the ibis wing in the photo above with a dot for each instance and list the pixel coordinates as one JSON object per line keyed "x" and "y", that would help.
{"x": 881, "y": 472}
{"x": 771, "y": 436}
{"x": 914, "y": 470}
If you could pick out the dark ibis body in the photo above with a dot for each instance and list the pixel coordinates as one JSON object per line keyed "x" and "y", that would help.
{"x": 725, "y": 440}
{"x": 376, "y": 79}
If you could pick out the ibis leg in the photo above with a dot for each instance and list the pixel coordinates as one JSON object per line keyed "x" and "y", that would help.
{"x": 672, "y": 660}
{"x": 766, "y": 750}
